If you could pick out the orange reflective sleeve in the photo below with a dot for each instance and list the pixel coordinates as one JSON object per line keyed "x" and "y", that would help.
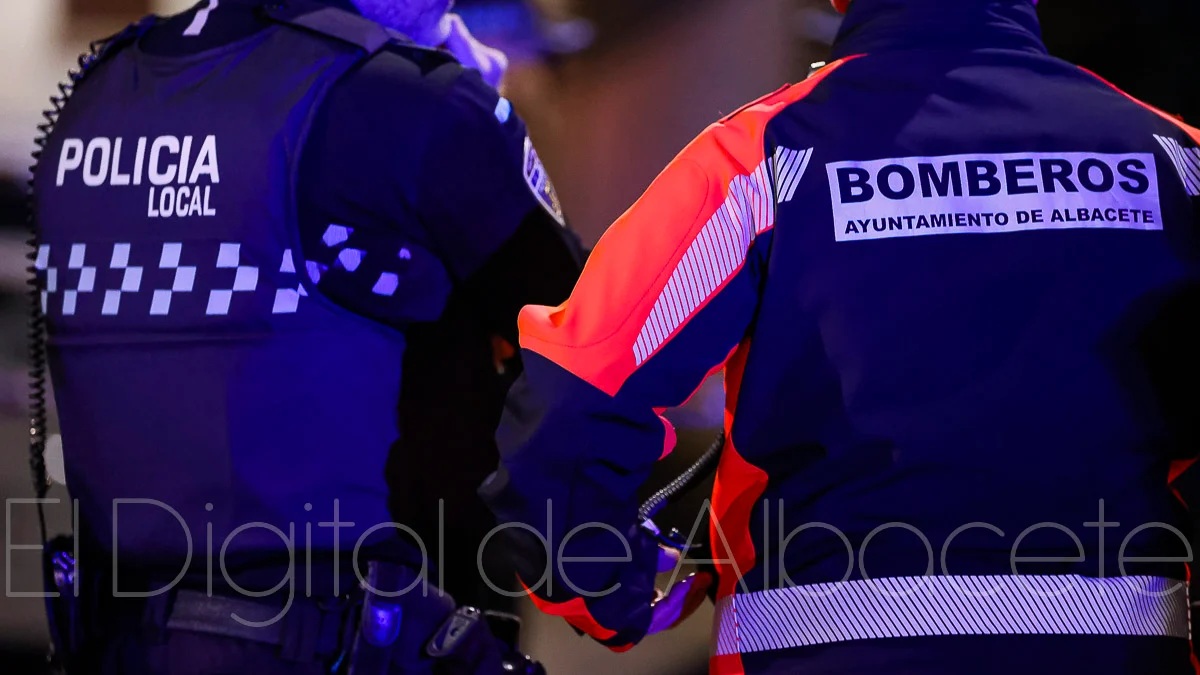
{"x": 667, "y": 295}
{"x": 671, "y": 253}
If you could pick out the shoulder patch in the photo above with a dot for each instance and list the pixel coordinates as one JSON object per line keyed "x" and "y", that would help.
{"x": 539, "y": 182}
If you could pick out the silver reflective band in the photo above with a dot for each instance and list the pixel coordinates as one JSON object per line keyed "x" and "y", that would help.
{"x": 927, "y": 606}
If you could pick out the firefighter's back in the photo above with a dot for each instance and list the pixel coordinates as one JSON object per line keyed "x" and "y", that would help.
{"x": 967, "y": 363}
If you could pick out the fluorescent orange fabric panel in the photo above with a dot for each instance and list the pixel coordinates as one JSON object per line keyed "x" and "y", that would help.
{"x": 592, "y": 335}
{"x": 576, "y": 613}
{"x": 736, "y": 490}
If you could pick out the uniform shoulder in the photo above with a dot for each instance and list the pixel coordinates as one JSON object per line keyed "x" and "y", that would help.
{"x": 775, "y": 102}
{"x": 1175, "y": 120}
{"x": 741, "y": 134}
{"x": 404, "y": 74}
{"x": 736, "y": 146}
{"x": 376, "y": 123}
{"x": 417, "y": 87}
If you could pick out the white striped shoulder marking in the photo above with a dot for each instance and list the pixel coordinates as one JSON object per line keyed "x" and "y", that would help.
{"x": 722, "y": 245}
{"x": 1186, "y": 161}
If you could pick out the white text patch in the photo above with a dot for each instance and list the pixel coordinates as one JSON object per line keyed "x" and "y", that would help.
{"x": 916, "y": 196}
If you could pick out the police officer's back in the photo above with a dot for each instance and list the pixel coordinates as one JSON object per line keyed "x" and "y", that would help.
{"x": 243, "y": 211}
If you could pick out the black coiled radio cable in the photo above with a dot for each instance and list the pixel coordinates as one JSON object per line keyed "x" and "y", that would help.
{"x": 696, "y": 473}
{"x": 38, "y": 387}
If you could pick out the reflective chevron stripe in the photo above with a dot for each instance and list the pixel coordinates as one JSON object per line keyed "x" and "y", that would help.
{"x": 1186, "y": 161}
{"x": 722, "y": 245}
{"x": 928, "y": 606}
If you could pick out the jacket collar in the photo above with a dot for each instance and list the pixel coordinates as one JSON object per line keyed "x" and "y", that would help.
{"x": 873, "y": 26}
{"x": 347, "y": 5}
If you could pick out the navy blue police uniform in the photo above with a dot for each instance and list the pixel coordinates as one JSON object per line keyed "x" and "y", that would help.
{"x": 262, "y": 232}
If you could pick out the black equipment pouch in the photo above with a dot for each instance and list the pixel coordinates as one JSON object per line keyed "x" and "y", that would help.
{"x": 400, "y": 611}
{"x": 469, "y": 640}
{"x": 381, "y": 619}
{"x": 409, "y": 627}
{"x": 458, "y": 634}
{"x": 64, "y": 609}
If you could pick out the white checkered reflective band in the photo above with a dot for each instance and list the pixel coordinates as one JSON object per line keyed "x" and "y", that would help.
{"x": 126, "y": 293}
{"x": 803, "y": 616}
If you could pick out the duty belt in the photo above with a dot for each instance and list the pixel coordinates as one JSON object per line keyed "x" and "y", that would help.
{"x": 308, "y": 631}
{"x": 905, "y": 607}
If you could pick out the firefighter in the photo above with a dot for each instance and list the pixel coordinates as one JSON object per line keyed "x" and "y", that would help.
{"x": 948, "y": 280}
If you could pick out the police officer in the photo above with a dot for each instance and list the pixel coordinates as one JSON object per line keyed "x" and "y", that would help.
{"x": 245, "y": 211}
{"x": 948, "y": 279}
